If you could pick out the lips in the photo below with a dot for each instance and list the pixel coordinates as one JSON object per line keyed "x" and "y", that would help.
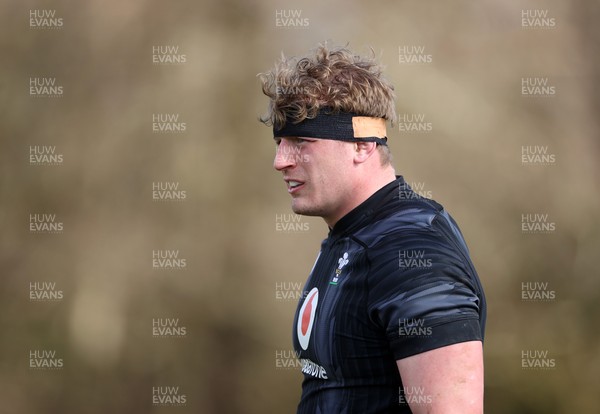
{"x": 294, "y": 185}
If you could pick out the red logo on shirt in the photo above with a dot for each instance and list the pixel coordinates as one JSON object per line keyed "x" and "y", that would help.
{"x": 306, "y": 317}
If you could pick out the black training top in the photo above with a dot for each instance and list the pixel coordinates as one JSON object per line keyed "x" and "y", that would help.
{"x": 392, "y": 279}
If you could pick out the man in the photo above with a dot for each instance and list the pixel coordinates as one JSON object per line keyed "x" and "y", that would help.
{"x": 393, "y": 316}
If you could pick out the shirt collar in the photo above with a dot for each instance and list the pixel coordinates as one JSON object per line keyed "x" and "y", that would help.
{"x": 365, "y": 212}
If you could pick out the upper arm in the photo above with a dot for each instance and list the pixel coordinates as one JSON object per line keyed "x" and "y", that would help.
{"x": 444, "y": 380}
{"x": 433, "y": 311}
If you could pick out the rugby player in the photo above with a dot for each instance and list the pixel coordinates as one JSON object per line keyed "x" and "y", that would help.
{"x": 393, "y": 314}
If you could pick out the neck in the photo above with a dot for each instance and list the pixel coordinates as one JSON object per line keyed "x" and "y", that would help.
{"x": 361, "y": 190}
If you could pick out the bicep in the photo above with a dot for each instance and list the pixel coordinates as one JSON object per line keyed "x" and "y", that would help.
{"x": 450, "y": 378}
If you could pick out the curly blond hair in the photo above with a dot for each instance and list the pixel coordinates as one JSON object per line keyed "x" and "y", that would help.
{"x": 334, "y": 78}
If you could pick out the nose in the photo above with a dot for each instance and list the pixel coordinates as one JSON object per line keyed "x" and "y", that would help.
{"x": 284, "y": 156}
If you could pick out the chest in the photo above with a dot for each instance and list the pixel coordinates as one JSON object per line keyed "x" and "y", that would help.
{"x": 332, "y": 324}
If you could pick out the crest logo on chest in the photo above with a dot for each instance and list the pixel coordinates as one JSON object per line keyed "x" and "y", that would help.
{"x": 342, "y": 261}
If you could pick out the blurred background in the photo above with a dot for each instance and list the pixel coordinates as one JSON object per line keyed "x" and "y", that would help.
{"x": 147, "y": 259}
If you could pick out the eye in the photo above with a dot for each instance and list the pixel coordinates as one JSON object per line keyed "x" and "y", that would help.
{"x": 303, "y": 140}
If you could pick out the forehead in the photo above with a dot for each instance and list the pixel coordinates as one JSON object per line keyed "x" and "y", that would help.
{"x": 325, "y": 150}
{"x": 313, "y": 141}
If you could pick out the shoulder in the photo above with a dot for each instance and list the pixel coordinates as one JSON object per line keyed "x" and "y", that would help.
{"x": 418, "y": 244}
{"x": 403, "y": 220}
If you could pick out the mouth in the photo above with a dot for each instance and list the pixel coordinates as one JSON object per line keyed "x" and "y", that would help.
{"x": 294, "y": 186}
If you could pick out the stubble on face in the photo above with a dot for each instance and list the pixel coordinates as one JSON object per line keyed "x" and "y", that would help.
{"x": 325, "y": 173}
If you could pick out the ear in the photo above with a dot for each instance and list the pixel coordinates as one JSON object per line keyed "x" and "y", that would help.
{"x": 363, "y": 151}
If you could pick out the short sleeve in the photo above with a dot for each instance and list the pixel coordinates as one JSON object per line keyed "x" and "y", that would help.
{"x": 422, "y": 292}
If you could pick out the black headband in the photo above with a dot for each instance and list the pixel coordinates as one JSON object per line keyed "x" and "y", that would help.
{"x": 340, "y": 126}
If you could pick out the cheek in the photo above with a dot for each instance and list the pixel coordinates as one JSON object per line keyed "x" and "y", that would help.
{"x": 329, "y": 169}
{"x": 332, "y": 180}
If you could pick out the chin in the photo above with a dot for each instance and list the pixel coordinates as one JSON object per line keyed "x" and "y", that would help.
{"x": 302, "y": 209}
{"x": 306, "y": 210}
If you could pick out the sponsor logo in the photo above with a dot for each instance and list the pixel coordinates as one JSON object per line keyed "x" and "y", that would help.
{"x": 306, "y": 317}
{"x": 313, "y": 369}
